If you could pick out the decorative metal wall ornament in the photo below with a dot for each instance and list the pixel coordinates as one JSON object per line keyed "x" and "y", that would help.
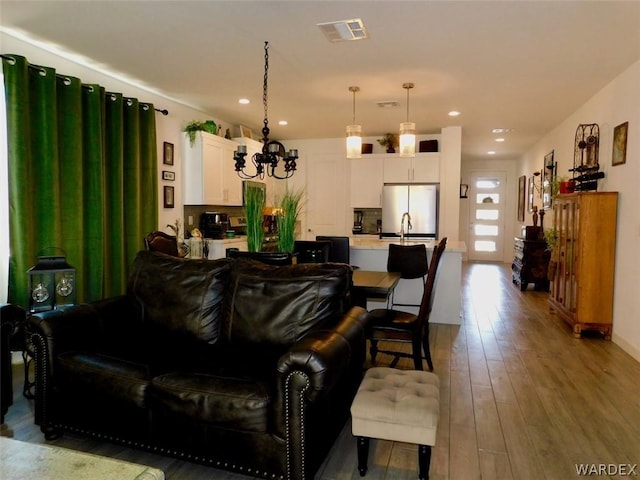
{"x": 586, "y": 165}
{"x": 273, "y": 152}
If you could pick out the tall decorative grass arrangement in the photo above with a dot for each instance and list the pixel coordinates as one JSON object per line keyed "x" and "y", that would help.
{"x": 253, "y": 205}
{"x": 289, "y": 208}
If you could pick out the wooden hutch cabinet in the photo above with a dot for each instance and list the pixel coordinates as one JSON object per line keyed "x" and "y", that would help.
{"x": 582, "y": 264}
{"x": 530, "y": 263}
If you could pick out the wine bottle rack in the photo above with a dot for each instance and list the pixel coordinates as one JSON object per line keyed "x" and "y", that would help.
{"x": 585, "y": 159}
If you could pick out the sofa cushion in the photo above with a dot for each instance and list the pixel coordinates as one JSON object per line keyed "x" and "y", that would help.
{"x": 228, "y": 402}
{"x": 276, "y": 306}
{"x": 105, "y": 376}
{"x": 181, "y": 296}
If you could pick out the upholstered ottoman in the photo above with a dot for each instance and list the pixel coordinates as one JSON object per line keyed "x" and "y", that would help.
{"x": 397, "y": 405}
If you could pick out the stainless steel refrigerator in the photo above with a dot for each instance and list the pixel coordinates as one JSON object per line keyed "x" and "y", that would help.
{"x": 419, "y": 200}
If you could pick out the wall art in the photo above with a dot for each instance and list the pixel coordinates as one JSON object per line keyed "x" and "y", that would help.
{"x": 619, "y": 154}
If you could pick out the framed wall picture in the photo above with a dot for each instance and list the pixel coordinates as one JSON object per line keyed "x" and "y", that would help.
{"x": 167, "y": 156}
{"x": 246, "y": 132}
{"x": 168, "y": 175}
{"x": 619, "y": 154}
{"x": 530, "y": 194}
{"x": 169, "y": 199}
{"x": 522, "y": 193}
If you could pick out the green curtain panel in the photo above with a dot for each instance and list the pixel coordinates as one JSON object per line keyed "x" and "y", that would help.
{"x": 82, "y": 178}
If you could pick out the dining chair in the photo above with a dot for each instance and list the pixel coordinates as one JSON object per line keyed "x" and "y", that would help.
{"x": 391, "y": 325}
{"x": 312, "y": 251}
{"x": 339, "y": 251}
{"x": 410, "y": 261}
{"x": 161, "y": 242}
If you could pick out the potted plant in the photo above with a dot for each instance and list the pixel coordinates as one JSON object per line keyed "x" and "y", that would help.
{"x": 566, "y": 185}
{"x": 254, "y": 200}
{"x": 551, "y": 236}
{"x": 289, "y": 208}
{"x": 191, "y": 128}
{"x": 389, "y": 141}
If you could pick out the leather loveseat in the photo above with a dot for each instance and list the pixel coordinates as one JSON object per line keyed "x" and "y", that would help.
{"x": 231, "y": 363}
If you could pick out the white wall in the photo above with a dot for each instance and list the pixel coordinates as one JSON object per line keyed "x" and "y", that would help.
{"x": 618, "y": 102}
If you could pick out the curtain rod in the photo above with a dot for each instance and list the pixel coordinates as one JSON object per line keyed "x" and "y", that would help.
{"x": 42, "y": 71}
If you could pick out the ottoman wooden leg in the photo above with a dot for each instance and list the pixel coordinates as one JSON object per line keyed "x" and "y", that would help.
{"x": 363, "y": 455}
{"x": 424, "y": 461}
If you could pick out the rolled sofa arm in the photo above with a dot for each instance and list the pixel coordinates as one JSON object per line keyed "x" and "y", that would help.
{"x": 50, "y": 333}
{"x": 323, "y": 353}
{"x": 311, "y": 369}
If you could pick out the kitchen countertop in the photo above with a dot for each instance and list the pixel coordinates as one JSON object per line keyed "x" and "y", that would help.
{"x": 224, "y": 241}
{"x": 372, "y": 242}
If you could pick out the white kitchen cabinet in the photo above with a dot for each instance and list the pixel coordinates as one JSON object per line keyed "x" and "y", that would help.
{"x": 423, "y": 168}
{"x": 218, "y": 248}
{"x": 366, "y": 176}
{"x": 208, "y": 172}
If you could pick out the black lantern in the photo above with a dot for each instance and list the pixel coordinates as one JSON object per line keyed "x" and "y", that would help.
{"x": 52, "y": 284}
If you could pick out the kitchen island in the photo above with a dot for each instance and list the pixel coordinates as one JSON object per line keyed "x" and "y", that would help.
{"x": 370, "y": 253}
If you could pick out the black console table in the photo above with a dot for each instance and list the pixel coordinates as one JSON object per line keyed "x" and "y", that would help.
{"x": 530, "y": 264}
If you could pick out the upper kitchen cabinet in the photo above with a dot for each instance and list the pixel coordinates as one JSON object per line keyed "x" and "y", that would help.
{"x": 209, "y": 172}
{"x": 423, "y": 168}
{"x": 366, "y": 175}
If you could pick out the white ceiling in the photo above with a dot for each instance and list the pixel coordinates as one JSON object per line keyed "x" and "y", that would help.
{"x": 505, "y": 64}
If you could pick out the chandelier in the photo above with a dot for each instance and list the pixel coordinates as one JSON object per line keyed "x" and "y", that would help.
{"x": 273, "y": 152}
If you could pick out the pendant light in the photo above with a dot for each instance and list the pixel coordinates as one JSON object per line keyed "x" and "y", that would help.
{"x": 354, "y": 132}
{"x": 407, "y": 131}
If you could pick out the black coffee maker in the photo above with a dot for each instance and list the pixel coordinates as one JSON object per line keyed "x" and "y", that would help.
{"x": 214, "y": 224}
{"x": 358, "y": 216}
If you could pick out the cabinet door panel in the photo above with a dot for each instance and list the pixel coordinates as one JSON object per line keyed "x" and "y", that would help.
{"x": 426, "y": 169}
{"x": 366, "y": 182}
{"x": 232, "y": 183}
{"x": 212, "y": 172}
{"x": 397, "y": 169}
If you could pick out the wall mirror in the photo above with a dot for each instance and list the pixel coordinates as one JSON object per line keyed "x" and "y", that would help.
{"x": 548, "y": 176}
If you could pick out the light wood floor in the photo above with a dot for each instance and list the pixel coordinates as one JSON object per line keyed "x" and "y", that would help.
{"x": 520, "y": 399}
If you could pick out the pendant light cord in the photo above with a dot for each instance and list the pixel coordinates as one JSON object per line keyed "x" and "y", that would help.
{"x": 407, "y": 87}
{"x": 265, "y": 129}
{"x": 354, "y": 90}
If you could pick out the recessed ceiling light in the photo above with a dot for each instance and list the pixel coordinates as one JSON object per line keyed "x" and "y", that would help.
{"x": 502, "y": 130}
{"x": 500, "y": 139}
{"x": 454, "y": 113}
{"x": 491, "y": 152}
{"x": 388, "y": 103}
{"x": 244, "y": 101}
{"x": 283, "y": 123}
{"x": 343, "y": 30}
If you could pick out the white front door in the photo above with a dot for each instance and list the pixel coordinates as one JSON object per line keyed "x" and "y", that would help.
{"x": 487, "y": 196}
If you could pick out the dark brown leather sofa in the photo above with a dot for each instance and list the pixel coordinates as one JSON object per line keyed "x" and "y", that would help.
{"x": 230, "y": 363}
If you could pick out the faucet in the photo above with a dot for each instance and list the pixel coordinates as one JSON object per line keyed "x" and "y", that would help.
{"x": 408, "y": 217}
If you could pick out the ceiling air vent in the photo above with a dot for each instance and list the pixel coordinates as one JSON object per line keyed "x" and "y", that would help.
{"x": 344, "y": 30}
